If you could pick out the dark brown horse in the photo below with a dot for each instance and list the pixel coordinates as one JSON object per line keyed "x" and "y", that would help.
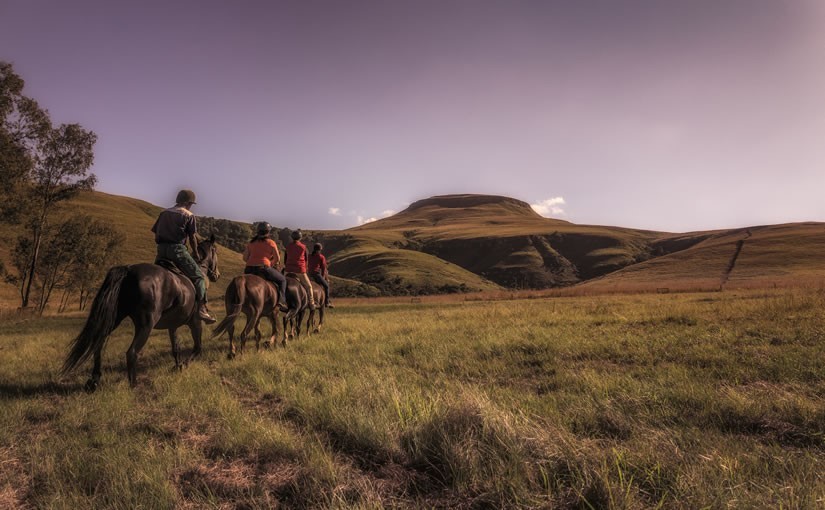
{"x": 154, "y": 298}
{"x": 255, "y": 298}
{"x": 298, "y": 303}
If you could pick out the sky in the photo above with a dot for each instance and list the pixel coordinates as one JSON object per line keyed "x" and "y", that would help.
{"x": 672, "y": 115}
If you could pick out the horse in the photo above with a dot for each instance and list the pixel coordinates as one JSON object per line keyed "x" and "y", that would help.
{"x": 298, "y": 302}
{"x": 154, "y": 298}
{"x": 256, "y": 298}
{"x": 321, "y": 301}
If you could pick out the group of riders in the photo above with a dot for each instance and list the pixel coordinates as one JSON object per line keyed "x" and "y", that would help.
{"x": 176, "y": 225}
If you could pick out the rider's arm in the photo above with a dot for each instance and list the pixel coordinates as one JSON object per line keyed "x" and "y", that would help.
{"x": 276, "y": 257}
{"x": 193, "y": 243}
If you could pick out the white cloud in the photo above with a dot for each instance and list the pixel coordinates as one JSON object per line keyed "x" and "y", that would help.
{"x": 335, "y": 211}
{"x": 388, "y": 212}
{"x": 550, "y": 207}
{"x": 362, "y": 220}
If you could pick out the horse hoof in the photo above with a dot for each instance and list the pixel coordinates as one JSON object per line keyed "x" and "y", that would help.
{"x": 231, "y": 355}
{"x": 90, "y": 386}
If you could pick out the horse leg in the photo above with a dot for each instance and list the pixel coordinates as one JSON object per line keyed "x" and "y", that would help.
{"x": 321, "y": 312}
{"x": 310, "y": 320}
{"x": 143, "y": 328}
{"x": 173, "y": 338}
{"x": 196, "y": 328}
{"x": 231, "y": 330}
{"x": 94, "y": 380}
{"x": 258, "y": 335}
{"x": 298, "y": 324}
{"x": 273, "y": 319}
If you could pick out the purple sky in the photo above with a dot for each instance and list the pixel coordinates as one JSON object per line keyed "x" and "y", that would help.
{"x": 667, "y": 115}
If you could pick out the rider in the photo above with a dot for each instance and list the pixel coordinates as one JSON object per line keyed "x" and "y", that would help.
{"x": 262, "y": 257}
{"x": 317, "y": 269}
{"x": 172, "y": 228}
{"x": 295, "y": 262}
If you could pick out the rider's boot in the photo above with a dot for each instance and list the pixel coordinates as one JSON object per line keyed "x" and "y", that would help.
{"x": 203, "y": 313}
{"x": 282, "y": 306}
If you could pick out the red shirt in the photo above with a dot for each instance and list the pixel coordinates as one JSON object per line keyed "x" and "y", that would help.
{"x": 295, "y": 258}
{"x": 317, "y": 263}
{"x": 262, "y": 253}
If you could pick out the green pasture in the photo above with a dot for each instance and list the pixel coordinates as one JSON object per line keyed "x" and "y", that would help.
{"x": 645, "y": 401}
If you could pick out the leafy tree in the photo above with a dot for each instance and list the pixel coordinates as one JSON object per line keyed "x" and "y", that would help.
{"x": 232, "y": 234}
{"x": 41, "y": 167}
{"x": 98, "y": 252}
{"x": 75, "y": 256}
{"x": 22, "y": 124}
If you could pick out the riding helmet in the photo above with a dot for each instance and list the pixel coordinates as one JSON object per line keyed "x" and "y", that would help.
{"x": 185, "y": 195}
{"x": 317, "y": 247}
{"x": 263, "y": 228}
{"x": 296, "y": 234}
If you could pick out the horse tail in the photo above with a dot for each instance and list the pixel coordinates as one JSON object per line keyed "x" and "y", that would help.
{"x": 235, "y": 297}
{"x": 103, "y": 319}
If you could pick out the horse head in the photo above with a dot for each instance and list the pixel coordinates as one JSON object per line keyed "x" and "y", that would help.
{"x": 208, "y": 252}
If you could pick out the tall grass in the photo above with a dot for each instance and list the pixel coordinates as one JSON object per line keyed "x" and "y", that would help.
{"x": 637, "y": 401}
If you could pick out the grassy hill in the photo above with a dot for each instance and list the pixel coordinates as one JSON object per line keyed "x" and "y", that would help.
{"x": 134, "y": 219}
{"x": 499, "y": 239}
{"x": 466, "y": 243}
{"x": 764, "y": 256}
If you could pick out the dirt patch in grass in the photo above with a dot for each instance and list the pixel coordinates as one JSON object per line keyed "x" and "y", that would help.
{"x": 14, "y": 482}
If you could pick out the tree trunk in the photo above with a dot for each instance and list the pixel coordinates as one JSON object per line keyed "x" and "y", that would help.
{"x": 38, "y": 236}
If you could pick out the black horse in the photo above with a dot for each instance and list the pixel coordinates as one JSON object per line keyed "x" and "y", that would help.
{"x": 154, "y": 298}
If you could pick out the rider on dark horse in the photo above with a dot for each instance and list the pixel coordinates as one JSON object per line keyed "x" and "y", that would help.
{"x": 295, "y": 265}
{"x": 172, "y": 228}
{"x": 317, "y": 269}
{"x": 262, "y": 257}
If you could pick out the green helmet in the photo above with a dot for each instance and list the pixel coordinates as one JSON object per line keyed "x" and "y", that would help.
{"x": 185, "y": 195}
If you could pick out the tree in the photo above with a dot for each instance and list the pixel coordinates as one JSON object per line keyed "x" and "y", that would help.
{"x": 40, "y": 165}
{"x": 22, "y": 124}
{"x": 95, "y": 255}
{"x": 75, "y": 256}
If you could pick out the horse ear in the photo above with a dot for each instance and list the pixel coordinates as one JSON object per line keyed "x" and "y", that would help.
{"x": 212, "y": 238}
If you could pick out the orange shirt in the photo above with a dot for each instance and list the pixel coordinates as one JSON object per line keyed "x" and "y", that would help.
{"x": 262, "y": 253}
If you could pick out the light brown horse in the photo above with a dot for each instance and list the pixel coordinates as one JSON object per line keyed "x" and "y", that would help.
{"x": 256, "y": 298}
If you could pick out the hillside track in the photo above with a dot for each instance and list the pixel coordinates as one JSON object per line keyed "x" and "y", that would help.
{"x": 732, "y": 264}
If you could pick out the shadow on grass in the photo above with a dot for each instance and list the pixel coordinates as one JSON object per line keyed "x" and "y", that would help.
{"x": 50, "y": 388}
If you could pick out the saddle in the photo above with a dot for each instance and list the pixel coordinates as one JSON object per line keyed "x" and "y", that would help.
{"x": 170, "y": 266}
{"x": 294, "y": 276}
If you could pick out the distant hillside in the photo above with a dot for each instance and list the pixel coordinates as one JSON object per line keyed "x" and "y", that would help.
{"x": 465, "y": 243}
{"x": 761, "y": 256}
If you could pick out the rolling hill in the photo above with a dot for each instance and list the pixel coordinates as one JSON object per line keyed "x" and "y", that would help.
{"x": 466, "y": 243}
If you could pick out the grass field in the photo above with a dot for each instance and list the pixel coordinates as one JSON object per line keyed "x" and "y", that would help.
{"x": 712, "y": 400}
